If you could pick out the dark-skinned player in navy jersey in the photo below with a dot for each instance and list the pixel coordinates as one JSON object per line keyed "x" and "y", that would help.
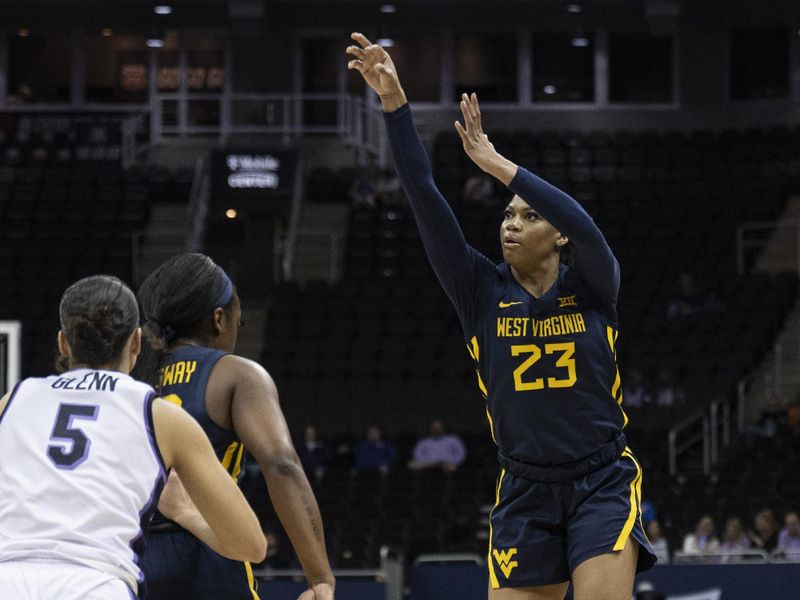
{"x": 542, "y": 335}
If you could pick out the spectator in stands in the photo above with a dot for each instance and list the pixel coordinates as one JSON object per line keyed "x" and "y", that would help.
{"x": 703, "y": 540}
{"x": 478, "y": 190}
{"x": 765, "y": 428}
{"x": 634, "y": 390}
{"x": 388, "y": 190}
{"x": 649, "y": 512}
{"x": 764, "y": 535}
{"x": 314, "y": 452}
{"x": 789, "y": 537}
{"x": 438, "y": 450}
{"x": 658, "y": 541}
{"x": 373, "y": 452}
{"x": 362, "y": 190}
{"x": 668, "y": 392}
{"x": 734, "y": 538}
{"x": 688, "y": 299}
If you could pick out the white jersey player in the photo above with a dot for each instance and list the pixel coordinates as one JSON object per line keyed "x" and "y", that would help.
{"x": 84, "y": 457}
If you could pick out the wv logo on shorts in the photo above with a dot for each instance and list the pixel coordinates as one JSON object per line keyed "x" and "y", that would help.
{"x": 504, "y": 560}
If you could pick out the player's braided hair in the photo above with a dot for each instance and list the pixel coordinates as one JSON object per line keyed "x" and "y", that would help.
{"x": 98, "y": 315}
{"x": 177, "y": 301}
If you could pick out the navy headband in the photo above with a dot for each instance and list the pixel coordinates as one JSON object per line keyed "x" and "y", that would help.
{"x": 226, "y": 293}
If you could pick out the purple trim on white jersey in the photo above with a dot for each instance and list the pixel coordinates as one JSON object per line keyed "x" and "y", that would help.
{"x": 151, "y": 432}
{"x": 137, "y": 543}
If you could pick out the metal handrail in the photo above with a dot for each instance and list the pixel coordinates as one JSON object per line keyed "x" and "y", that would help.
{"x": 130, "y": 130}
{"x": 710, "y": 427}
{"x": 287, "y": 261}
{"x": 53, "y": 107}
{"x": 674, "y": 447}
{"x": 356, "y": 121}
{"x": 197, "y": 208}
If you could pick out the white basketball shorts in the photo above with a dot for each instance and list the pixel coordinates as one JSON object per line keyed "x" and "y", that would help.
{"x": 57, "y": 580}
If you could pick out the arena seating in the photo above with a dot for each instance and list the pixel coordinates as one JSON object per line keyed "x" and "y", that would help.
{"x": 668, "y": 203}
{"x": 62, "y": 220}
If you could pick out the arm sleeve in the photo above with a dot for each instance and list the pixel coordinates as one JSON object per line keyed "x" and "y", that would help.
{"x": 458, "y": 266}
{"x": 595, "y": 263}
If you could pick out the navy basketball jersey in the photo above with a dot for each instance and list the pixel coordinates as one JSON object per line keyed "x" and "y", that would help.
{"x": 547, "y": 367}
{"x": 183, "y": 379}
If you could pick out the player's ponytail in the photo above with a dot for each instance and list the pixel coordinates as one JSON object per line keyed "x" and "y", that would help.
{"x": 178, "y": 300}
{"x": 98, "y": 314}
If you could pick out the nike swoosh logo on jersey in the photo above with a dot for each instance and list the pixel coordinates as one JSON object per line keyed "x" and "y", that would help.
{"x": 507, "y": 304}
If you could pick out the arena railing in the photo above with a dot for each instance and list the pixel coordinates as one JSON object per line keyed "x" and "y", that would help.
{"x": 289, "y": 116}
{"x": 734, "y": 557}
{"x": 763, "y": 389}
{"x": 285, "y": 247}
{"x": 709, "y": 429}
{"x": 777, "y": 380}
{"x": 135, "y": 139}
{"x": 197, "y": 209}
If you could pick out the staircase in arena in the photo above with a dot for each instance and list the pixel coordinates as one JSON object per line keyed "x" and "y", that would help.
{"x": 251, "y": 337}
{"x": 163, "y": 237}
{"x": 782, "y": 247}
{"x": 319, "y": 245}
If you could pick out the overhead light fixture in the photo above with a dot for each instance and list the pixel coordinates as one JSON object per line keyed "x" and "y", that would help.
{"x": 23, "y": 32}
{"x": 231, "y": 213}
{"x": 155, "y": 43}
{"x": 385, "y": 42}
{"x": 580, "y": 41}
{"x": 574, "y": 8}
{"x": 388, "y": 8}
{"x": 162, "y": 9}
{"x": 107, "y": 32}
{"x": 549, "y": 89}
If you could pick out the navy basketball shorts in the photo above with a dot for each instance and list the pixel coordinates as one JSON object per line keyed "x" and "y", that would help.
{"x": 177, "y": 565}
{"x": 541, "y": 531}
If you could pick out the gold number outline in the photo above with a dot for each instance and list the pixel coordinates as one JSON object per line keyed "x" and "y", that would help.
{"x": 565, "y": 361}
